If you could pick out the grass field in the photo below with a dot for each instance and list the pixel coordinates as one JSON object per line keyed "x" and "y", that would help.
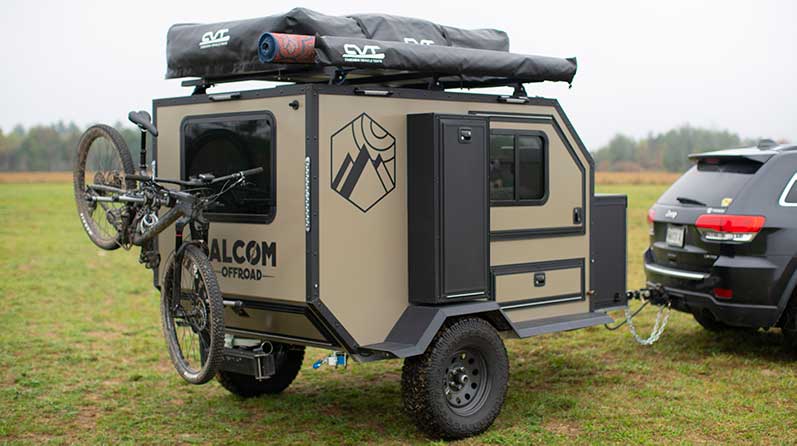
{"x": 82, "y": 361}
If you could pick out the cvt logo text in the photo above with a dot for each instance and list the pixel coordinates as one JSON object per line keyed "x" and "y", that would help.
{"x": 243, "y": 259}
{"x": 366, "y": 54}
{"x": 418, "y": 42}
{"x": 212, "y": 39}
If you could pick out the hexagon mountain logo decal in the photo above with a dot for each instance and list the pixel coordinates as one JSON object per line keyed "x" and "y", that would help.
{"x": 363, "y": 166}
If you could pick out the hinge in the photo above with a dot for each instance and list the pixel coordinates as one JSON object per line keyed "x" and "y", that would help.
{"x": 307, "y": 194}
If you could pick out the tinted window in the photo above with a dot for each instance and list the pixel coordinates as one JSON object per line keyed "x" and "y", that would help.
{"x": 502, "y": 167}
{"x": 228, "y": 144}
{"x": 531, "y": 179}
{"x": 517, "y": 167}
{"x": 711, "y": 182}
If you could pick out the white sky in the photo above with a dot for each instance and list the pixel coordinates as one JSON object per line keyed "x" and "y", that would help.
{"x": 643, "y": 65}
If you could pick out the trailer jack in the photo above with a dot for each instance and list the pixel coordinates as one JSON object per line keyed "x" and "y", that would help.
{"x": 656, "y": 296}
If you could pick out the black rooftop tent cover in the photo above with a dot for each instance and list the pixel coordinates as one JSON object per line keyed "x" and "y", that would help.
{"x": 386, "y": 46}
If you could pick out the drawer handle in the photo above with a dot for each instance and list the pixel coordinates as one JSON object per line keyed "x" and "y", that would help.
{"x": 539, "y": 279}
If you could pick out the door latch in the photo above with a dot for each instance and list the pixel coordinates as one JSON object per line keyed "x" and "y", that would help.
{"x": 465, "y": 135}
{"x": 578, "y": 216}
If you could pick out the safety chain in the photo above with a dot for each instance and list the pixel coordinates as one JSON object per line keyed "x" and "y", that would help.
{"x": 655, "y": 296}
{"x": 658, "y": 327}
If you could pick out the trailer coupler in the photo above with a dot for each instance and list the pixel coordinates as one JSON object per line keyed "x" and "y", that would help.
{"x": 656, "y": 296}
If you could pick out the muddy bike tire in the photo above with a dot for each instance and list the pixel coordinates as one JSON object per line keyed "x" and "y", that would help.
{"x": 102, "y": 143}
{"x": 201, "y": 312}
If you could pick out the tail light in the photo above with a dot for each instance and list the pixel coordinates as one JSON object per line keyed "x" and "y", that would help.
{"x": 651, "y": 217}
{"x": 729, "y": 228}
{"x": 723, "y": 293}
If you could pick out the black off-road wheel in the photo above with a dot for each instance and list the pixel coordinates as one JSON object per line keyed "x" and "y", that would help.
{"x": 193, "y": 317}
{"x": 288, "y": 361}
{"x": 103, "y": 159}
{"x": 457, "y": 387}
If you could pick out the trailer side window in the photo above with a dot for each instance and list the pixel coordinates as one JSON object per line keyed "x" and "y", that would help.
{"x": 229, "y": 143}
{"x": 518, "y": 168}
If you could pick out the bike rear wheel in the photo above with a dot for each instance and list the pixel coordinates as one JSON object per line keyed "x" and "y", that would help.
{"x": 103, "y": 159}
{"x": 192, "y": 316}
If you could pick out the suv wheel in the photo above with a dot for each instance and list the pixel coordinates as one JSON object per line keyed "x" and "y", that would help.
{"x": 709, "y": 322}
{"x": 456, "y": 389}
{"x": 789, "y": 325}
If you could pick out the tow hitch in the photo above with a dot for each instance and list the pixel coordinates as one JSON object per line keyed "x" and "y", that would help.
{"x": 656, "y": 296}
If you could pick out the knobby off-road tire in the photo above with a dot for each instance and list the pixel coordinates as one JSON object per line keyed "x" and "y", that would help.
{"x": 288, "y": 362}
{"x": 194, "y": 328}
{"x": 103, "y": 156}
{"x": 469, "y": 352}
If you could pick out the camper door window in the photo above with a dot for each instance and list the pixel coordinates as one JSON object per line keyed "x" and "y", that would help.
{"x": 518, "y": 167}
{"x": 229, "y": 143}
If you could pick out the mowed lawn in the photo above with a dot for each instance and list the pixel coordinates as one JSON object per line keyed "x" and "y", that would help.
{"x": 82, "y": 361}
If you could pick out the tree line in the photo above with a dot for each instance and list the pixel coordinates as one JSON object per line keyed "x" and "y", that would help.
{"x": 53, "y": 148}
{"x": 50, "y": 147}
{"x": 666, "y": 151}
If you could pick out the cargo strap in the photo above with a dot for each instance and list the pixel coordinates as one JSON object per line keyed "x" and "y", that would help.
{"x": 658, "y": 298}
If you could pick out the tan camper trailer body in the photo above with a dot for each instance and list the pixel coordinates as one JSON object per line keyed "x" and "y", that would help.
{"x": 327, "y": 269}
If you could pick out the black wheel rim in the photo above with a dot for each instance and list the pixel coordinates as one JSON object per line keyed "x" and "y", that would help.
{"x": 103, "y": 166}
{"x": 467, "y": 382}
{"x": 189, "y": 318}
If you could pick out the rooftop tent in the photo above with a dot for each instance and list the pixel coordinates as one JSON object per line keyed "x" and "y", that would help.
{"x": 229, "y": 50}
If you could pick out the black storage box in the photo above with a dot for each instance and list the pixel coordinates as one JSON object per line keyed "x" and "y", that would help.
{"x": 608, "y": 240}
{"x": 448, "y": 208}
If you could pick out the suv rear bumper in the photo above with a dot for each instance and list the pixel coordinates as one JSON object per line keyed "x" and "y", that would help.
{"x": 691, "y": 292}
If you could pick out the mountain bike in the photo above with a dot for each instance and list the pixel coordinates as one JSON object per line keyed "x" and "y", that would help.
{"x": 119, "y": 207}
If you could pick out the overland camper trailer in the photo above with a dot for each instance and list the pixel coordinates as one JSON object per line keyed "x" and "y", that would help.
{"x": 364, "y": 209}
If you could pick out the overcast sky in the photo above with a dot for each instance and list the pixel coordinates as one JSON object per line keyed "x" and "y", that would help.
{"x": 643, "y": 65}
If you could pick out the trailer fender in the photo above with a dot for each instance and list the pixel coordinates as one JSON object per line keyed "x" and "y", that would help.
{"x": 418, "y": 325}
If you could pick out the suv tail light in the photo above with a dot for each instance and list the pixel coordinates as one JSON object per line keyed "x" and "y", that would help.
{"x": 729, "y": 228}
{"x": 651, "y": 217}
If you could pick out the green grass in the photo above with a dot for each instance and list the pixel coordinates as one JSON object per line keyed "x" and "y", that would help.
{"x": 82, "y": 360}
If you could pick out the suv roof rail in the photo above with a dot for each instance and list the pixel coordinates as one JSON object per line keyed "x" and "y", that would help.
{"x": 766, "y": 144}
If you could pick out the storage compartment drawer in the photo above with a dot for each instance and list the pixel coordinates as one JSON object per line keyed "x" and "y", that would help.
{"x": 531, "y": 284}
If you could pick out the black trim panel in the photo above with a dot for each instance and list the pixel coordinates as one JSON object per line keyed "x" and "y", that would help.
{"x": 520, "y": 234}
{"x": 321, "y": 311}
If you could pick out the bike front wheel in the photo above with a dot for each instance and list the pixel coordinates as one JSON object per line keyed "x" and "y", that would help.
{"x": 103, "y": 160}
{"x": 192, "y": 315}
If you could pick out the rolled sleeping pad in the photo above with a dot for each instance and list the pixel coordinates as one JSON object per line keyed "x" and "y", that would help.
{"x": 286, "y": 48}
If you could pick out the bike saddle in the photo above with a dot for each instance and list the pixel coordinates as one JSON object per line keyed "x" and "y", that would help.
{"x": 143, "y": 120}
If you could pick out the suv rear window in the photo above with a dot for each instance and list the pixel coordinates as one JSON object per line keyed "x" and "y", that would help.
{"x": 711, "y": 181}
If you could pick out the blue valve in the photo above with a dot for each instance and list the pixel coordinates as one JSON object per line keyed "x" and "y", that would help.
{"x": 336, "y": 359}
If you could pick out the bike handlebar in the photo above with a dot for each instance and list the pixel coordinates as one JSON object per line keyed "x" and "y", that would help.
{"x": 241, "y": 174}
{"x": 192, "y": 183}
